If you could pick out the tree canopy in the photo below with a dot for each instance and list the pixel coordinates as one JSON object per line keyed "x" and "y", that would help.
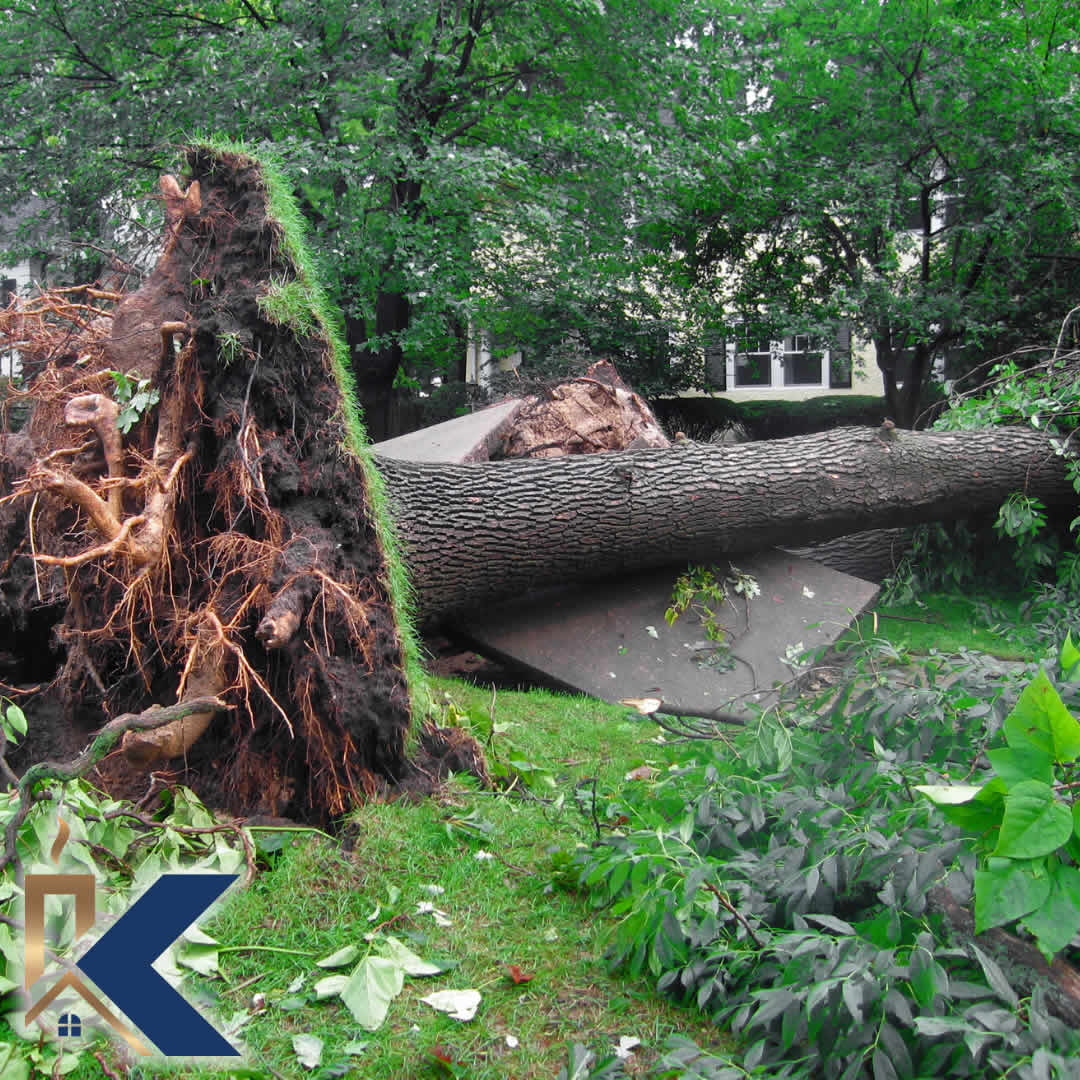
{"x": 909, "y": 169}
{"x": 612, "y": 176}
{"x": 427, "y": 138}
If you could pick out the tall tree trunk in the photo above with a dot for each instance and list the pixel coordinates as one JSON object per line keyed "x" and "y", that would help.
{"x": 473, "y": 534}
{"x": 377, "y": 359}
{"x": 375, "y": 365}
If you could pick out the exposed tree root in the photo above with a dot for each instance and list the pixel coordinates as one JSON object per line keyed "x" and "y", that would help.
{"x": 100, "y": 413}
{"x": 204, "y": 677}
{"x": 103, "y": 742}
{"x": 213, "y": 537}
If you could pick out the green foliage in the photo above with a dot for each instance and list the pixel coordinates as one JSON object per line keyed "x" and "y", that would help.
{"x": 901, "y": 167}
{"x": 1045, "y": 394}
{"x": 459, "y": 163}
{"x": 136, "y": 396}
{"x": 702, "y": 592}
{"x": 1023, "y": 819}
{"x": 797, "y": 906}
{"x": 12, "y": 721}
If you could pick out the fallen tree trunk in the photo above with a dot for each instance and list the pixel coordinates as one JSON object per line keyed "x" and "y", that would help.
{"x": 233, "y": 543}
{"x": 473, "y": 534}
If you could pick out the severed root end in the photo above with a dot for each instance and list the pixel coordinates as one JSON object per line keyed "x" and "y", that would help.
{"x": 176, "y": 738}
{"x": 286, "y": 610}
{"x": 172, "y": 740}
{"x": 179, "y": 204}
{"x": 277, "y": 630}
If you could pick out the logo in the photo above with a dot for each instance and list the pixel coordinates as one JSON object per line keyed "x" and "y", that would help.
{"x": 119, "y": 962}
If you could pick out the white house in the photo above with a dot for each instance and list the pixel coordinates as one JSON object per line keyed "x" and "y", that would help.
{"x": 17, "y": 279}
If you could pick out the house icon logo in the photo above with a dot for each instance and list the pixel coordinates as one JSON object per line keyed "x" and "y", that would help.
{"x": 119, "y": 962}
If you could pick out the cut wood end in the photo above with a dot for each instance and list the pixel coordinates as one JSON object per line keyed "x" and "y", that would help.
{"x": 164, "y": 743}
{"x": 274, "y": 632}
{"x": 91, "y": 409}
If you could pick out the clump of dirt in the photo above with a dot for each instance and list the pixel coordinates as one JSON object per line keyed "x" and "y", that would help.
{"x": 224, "y": 546}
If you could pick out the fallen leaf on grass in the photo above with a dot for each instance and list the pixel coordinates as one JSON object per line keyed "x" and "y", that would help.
{"x": 425, "y": 907}
{"x": 518, "y": 975}
{"x": 199, "y": 952}
{"x": 458, "y": 1004}
{"x": 407, "y": 960}
{"x": 376, "y": 981}
{"x": 308, "y": 1050}
{"x": 340, "y": 958}
{"x": 642, "y": 772}
{"x": 331, "y": 986}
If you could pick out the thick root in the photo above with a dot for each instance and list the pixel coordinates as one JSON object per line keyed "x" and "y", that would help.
{"x": 206, "y": 662}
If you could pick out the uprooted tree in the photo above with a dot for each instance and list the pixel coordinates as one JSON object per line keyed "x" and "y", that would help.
{"x": 243, "y": 494}
{"x": 233, "y": 546}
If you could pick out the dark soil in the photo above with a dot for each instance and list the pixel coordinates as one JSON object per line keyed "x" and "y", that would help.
{"x": 270, "y": 517}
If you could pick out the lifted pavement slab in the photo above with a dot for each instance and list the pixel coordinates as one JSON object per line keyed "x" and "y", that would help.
{"x": 610, "y": 639}
{"x": 459, "y": 441}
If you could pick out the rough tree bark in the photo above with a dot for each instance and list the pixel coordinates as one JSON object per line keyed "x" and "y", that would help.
{"x": 477, "y": 533}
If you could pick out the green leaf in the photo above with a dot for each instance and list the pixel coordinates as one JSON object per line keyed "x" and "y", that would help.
{"x": 892, "y": 1043}
{"x": 1057, "y": 922}
{"x": 883, "y": 1066}
{"x": 376, "y": 981}
{"x": 996, "y": 977}
{"x": 1069, "y": 658}
{"x": 1040, "y": 719}
{"x": 308, "y": 1050}
{"x": 331, "y": 986}
{"x": 1022, "y": 763}
{"x": 16, "y": 718}
{"x": 457, "y": 1004}
{"x": 1035, "y": 823}
{"x": 406, "y": 959}
{"x": 979, "y": 813}
{"x": 948, "y": 794}
{"x": 340, "y": 958}
{"x": 198, "y": 951}
{"x": 1008, "y": 893}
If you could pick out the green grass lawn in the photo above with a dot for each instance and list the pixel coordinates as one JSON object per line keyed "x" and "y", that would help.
{"x": 491, "y": 864}
{"x": 949, "y": 623}
{"x": 476, "y": 882}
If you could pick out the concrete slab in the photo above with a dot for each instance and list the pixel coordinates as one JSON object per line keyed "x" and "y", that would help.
{"x": 458, "y": 441}
{"x": 610, "y": 639}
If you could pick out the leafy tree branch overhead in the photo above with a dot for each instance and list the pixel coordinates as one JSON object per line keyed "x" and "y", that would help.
{"x": 630, "y": 175}
{"x": 422, "y": 134}
{"x": 906, "y": 168}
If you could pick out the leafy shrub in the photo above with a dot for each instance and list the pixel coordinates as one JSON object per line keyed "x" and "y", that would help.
{"x": 797, "y": 908}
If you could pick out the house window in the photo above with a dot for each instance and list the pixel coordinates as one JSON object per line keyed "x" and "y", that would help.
{"x": 797, "y": 360}
{"x": 8, "y": 287}
{"x": 803, "y": 364}
{"x": 754, "y": 363}
{"x": 69, "y": 1027}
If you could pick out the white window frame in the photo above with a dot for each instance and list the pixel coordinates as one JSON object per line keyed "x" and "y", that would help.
{"x": 778, "y": 355}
